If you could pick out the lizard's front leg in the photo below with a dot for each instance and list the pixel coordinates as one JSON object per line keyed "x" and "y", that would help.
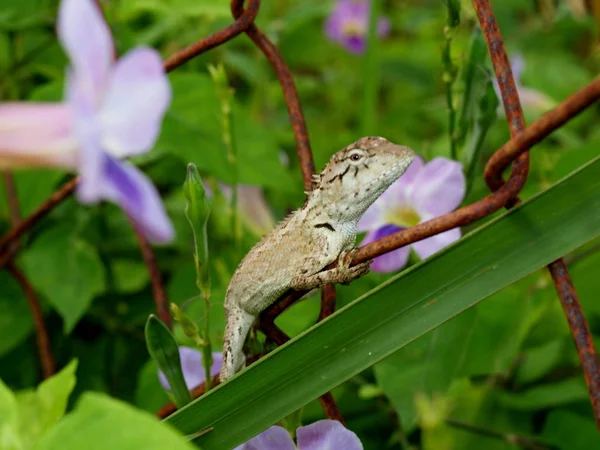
{"x": 238, "y": 325}
{"x": 342, "y": 273}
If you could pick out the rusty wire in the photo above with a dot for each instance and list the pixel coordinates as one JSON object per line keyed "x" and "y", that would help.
{"x": 504, "y": 193}
{"x": 41, "y": 332}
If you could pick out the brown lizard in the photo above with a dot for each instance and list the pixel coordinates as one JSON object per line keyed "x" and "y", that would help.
{"x": 294, "y": 254}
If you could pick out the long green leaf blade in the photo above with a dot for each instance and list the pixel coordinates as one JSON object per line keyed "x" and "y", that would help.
{"x": 163, "y": 349}
{"x": 407, "y": 306}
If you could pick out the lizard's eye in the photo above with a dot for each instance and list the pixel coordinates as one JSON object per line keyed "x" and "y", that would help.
{"x": 356, "y": 155}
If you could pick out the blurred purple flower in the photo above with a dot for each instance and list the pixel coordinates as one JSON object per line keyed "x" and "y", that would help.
{"x": 348, "y": 24}
{"x": 112, "y": 110}
{"x": 252, "y": 207}
{"x": 191, "y": 366}
{"x": 530, "y": 98}
{"x": 424, "y": 191}
{"x": 321, "y": 435}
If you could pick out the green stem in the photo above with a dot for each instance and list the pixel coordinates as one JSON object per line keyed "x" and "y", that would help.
{"x": 371, "y": 73}
{"x": 450, "y": 70}
{"x": 207, "y": 360}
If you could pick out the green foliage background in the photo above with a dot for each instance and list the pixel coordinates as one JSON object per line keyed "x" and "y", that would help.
{"x": 507, "y": 364}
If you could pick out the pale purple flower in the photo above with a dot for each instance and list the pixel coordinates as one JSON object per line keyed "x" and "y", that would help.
{"x": 111, "y": 110}
{"x": 348, "y": 24}
{"x": 252, "y": 207}
{"x": 192, "y": 368}
{"x": 321, "y": 435}
{"x": 530, "y": 98}
{"x": 425, "y": 191}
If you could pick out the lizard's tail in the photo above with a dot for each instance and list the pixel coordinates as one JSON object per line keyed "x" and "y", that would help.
{"x": 236, "y": 330}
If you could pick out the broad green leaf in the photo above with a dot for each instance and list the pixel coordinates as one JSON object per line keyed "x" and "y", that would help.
{"x": 571, "y": 431}
{"x": 149, "y": 394}
{"x": 164, "y": 350}
{"x": 129, "y": 275}
{"x": 33, "y": 188}
{"x": 67, "y": 270}
{"x": 24, "y": 13}
{"x": 9, "y": 420}
{"x": 26, "y": 416}
{"x": 192, "y": 131}
{"x": 407, "y": 306}
{"x": 547, "y": 395}
{"x": 100, "y": 422}
{"x": 15, "y": 317}
{"x": 42, "y": 408}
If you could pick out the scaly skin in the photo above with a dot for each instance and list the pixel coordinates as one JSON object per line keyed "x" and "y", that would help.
{"x": 294, "y": 254}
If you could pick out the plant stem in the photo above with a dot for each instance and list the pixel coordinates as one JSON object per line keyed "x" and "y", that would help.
{"x": 371, "y": 72}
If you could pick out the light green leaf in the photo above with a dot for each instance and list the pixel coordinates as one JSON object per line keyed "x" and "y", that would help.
{"x": 100, "y": 422}
{"x": 407, "y": 306}
{"x": 40, "y": 409}
{"x": 67, "y": 270}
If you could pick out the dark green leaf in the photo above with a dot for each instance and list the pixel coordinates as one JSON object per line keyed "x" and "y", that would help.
{"x": 164, "y": 350}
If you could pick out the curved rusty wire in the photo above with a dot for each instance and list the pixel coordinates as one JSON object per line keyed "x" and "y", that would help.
{"x": 289, "y": 93}
{"x": 243, "y": 21}
{"x": 538, "y": 130}
{"x": 558, "y": 269}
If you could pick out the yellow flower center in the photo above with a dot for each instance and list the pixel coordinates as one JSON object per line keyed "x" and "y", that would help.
{"x": 402, "y": 216}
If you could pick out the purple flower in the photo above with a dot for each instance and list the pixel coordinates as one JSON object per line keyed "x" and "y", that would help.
{"x": 424, "y": 191}
{"x": 112, "y": 110}
{"x": 321, "y": 435}
{"x": 348, "y": 24}
{"x": 191, "y": 366}
{"x": 529, "y": 97}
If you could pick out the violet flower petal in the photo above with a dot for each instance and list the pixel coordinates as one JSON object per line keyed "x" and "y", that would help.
{"x": 327, "y": 435}
{"x": 192, "y": 368}
{"x": 137, "y": 97}
{"x": 384, "y": 27}
{"x": 392, "y": 261}
{"x": 355, "y": 44}
{"x": 34, "y": 134}
{"x": 429, "y": 246}
{"x": 273, "y": 438}
{"x": 438, "y": 188}
{"x": 88, "y": 42}
{"x": 91, "y": 158}
{"x": 125, "y": 185}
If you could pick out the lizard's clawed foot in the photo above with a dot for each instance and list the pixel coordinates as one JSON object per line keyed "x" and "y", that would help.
{"x": 347, "y": 273}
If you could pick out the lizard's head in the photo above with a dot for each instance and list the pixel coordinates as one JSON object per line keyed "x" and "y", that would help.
{"x": 357, "y": 175}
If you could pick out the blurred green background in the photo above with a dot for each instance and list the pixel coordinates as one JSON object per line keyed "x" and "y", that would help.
{"x": 505, "y": 367}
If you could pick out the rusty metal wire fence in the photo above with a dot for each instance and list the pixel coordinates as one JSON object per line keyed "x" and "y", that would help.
{"x": 504, "y": 193}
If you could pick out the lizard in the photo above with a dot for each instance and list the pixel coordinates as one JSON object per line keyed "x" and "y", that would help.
{"x": 294, "y": 254}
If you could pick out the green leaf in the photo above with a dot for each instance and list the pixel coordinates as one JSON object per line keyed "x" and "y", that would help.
{"x": 399, "y": 311}
{"x": 67, "y": 270}
{"x": 9, "y": 420}
{"x": 164, "y": 350}
{"x": 41, "y": 409}
{"x": 571, "y": 431}
{"x": 24, "y": 13}
{"x": 26, "y": 416}
{"x": 129, "y": 275}
{"x": 100, "y": 422}
{"x": 15, "y": 317}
